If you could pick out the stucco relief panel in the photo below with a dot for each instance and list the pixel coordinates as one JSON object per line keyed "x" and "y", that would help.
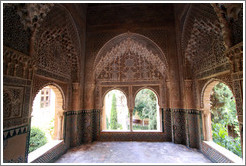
{"x": 130, "y": 61}
{"x": 13, "y": 102}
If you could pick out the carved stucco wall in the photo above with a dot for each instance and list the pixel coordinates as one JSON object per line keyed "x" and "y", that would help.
{"x": 212, "y": 50}
{"x": 18, "y": 71}
{"x": 55, "y": 46}
{"x": 58, "y": 49}
{"x": 158, "y": 33}
{"x": 126, "y": 61}
{"x": 14, "y": 34}
{"x": 41, "y": 52}
{"x": 108, "y": 39}
{"x": 204, "y": 48}
{"x": 17, "y": 79}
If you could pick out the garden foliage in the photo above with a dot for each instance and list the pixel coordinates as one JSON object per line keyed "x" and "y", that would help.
{"x": 37, "y": 139}
{"x": 224, "y": 113}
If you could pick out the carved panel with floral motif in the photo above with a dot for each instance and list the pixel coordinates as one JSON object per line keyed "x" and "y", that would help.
{"x": 13, "y": 102}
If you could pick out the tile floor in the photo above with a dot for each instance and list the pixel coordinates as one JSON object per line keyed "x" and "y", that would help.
{"x": 132, "y": 152}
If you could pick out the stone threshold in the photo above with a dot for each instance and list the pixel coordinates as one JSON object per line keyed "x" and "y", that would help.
{"x": 43, "y": 149}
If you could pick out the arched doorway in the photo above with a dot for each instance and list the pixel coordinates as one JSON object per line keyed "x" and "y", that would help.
{"x": 220, "y": 117}
{"x": 146, "y": 114}
{"x": 115, "y": 112}
{"x": 46, "y": 117}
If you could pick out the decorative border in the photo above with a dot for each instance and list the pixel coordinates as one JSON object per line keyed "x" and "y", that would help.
{"x": 15, "y": 131}
{"x": 193, "y": 111}
{"x": 69, "y": 113}
{"x": 222, "y": 68}
{"x": 49, "y": 74}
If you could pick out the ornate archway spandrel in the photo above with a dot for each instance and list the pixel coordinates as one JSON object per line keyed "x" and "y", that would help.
{"x": 129, "y": 60}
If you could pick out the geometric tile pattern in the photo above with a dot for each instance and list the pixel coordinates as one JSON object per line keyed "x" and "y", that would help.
{"x": 193, "y": 128}
{"x": 52, "y": 154}
{"x": 179, "y": 126}
{"x": 132, "y": 136}
{"x": 178, "y": 123}
{"x": 213, "y": 154}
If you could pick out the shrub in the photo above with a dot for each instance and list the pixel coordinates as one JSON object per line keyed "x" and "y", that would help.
{"x": 220, "y": 136}
{"x": 120, "y": 127}
{"x": 37, "y": 139}
{"x": 140, "y": 127}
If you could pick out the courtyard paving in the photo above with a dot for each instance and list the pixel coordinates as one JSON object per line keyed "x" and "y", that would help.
{"x": 132, "y": 152}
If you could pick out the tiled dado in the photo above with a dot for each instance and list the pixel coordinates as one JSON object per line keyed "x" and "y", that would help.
{"x": 84, "y": 126}
{"x": 185, "y": 127}
{"x": 179, "y": 125}
{"x": 133, "y": 136}
{"x": 21, "y": 131}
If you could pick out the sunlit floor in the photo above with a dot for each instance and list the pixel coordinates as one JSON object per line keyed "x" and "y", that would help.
{"x": 132, "y": 152}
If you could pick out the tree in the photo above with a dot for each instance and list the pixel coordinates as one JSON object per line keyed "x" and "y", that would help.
{"x": 107, "y": 122}
{"x": 145, "y": 106}
{"x": 223, "y": 106}
{"x": 113, "y": 114}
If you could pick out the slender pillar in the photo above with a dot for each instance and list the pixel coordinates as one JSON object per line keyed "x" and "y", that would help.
{"x": 61, "y": 126}
{"x": 159, "y": 120}
{"x": 131, "y": 111}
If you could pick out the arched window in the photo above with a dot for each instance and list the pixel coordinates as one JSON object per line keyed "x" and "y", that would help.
{"x": 46, "y": 117}
{"x": 146, "y": 114}
{"x": 115, "y": 112}
{"x": 220, "y": 117}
